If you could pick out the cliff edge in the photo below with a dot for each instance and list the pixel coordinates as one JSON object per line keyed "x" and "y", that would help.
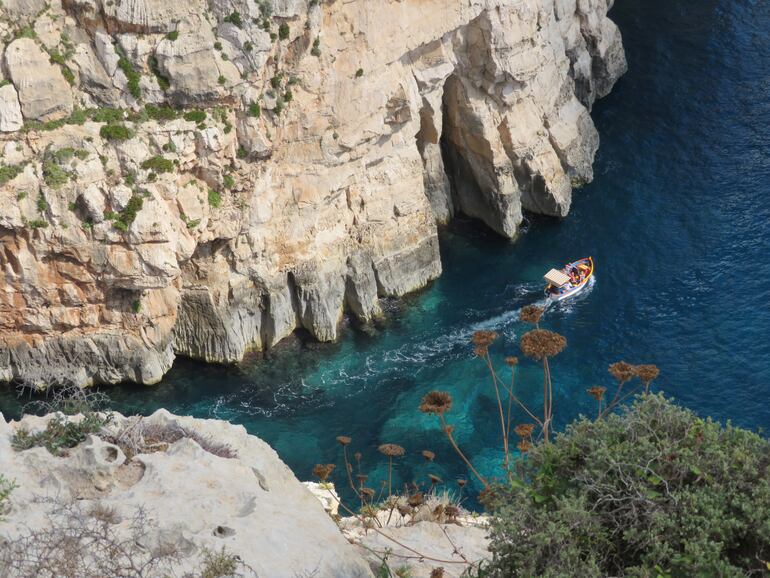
{"x": 201, "y": 178}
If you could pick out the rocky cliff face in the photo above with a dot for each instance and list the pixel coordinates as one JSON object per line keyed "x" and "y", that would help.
{"x": 200, "y": 178}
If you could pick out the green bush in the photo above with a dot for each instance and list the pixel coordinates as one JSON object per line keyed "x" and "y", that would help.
{"x": 654, "y": 491}
{"x": 6, "y": 487}
{"x": 359, "y": 73}
{"x": 60, "y": 434}
{"x": 283, "y": 31}
{"x": 235, "y": 18}
{"x": 195, "y": 116}
{"x": 131, "y": 75}
{"x": 109, "y": 115}
{"x": 316, "y": 50}
{"x": 215, "y": 199}
{"x": 158, "y": 164}
{"x": 228, "y": 181}
{"x": 173, "y": 35}
{"x": 9, "y": 172}
{"x": 255, "y": 110}
{"x": 54, "y": 175}
{"x": 163, "y": 82}
{"x": 161, "y": 113}
{"x": 115, "y": 132}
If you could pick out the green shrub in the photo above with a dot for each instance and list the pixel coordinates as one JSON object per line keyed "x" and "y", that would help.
{"x": 359, "y": 73}
{"x": 222, "y": 80}
{"x": 6, "y": 487}
{"x": 173, "y": 35}
{"x": 60, "y": 434}
{"x": 275, "y": 82}
{"x": 37, "y": 224}
{"x": 115, "y": 132}
{"x": 217, "y": 45}
{"x": 9, "y": 172}
{"x": 254, "y": 110}
{"x": 195, "y": 116}
{"x": 288, "y": 96}
{"x": 163, "y": 82}
{"x": 68, "y": 75}
{"x": 241, "y": 153}
{"x": 316, "y": 50}
{"x": 26, "y": 32}
{"x": 283, "y": 31}
{"x": 131, "y": 75}
{"x": 235, "y": 18}
{"x": 21, "y": 196}
{"x": 42, "y": 204}
{"x": 109, "y": 115}
{"x": 228, "y": 181}
{"x": 161, "y": 113}
{"x": 248, "y": 46}
{"x": 54, "y": 175}
{"x": 653, "y": 491}
{"x": 158, "y": 164}
{"x": 136, "y": 306}
{"x": 122, "y": 221}
{"x": 215, "y": 199}
{"x": 219, "y": 564}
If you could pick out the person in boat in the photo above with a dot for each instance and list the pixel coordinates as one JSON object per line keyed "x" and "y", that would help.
{"x": 574, "y": 276}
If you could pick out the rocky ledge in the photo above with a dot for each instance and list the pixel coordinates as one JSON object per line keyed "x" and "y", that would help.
{"x": 174, "y": 491}
{"x": 201, "y": 178}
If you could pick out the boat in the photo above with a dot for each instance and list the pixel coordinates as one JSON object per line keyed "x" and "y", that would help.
{"x": 569, "y": 281}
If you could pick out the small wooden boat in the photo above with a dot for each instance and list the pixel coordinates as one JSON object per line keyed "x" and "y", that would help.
{"x": 570, "y": 280}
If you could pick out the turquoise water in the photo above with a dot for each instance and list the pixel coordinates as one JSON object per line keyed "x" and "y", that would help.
{"x": 677, "y": 219}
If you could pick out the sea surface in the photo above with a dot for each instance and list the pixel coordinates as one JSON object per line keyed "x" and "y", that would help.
{"x": 677, "y": 220}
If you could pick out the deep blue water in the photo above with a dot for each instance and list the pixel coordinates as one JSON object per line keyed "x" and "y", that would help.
{"x": 677, "y": 219}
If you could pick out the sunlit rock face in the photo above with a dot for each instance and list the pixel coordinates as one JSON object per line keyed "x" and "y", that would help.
{"x": 337, "y": 136}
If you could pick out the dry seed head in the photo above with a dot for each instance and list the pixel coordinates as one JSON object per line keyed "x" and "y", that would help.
{"x": 343, "y": 440}
{"x": 437, "y": 572}
{"x": 524, "y": 430}
{"x": 647, "y": 373}
{"x": 622, "y": 371}
{"x": 436, "y": 402}
{"x": 367, "y": 493}
{"x": 461, "y": 483}
{"x": 415, "y": 499}
{"x": 511, "y": 361}
{"x": 435, "y": 479}
{"x": 531, "y": 314}
{"x": 322, "y": 471}
{"x": 428, "y": 455}
{"x": 540, "y": 343}
{"x": 597, "y": 392}
{"x": 391, "y": 450}
{"x": 524, "y": 446}
{"x": 483, "y": 338}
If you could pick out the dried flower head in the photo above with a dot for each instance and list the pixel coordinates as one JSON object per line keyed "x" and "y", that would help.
{"x": 437, "y": 402}
{"x": 622, "y": 371}
{"x": 531, "y": 314}
{"x": 484, "y": 338}
{"x": 322, "y": 471}
{"x": 449, "y": 429}
{"x": 451, "y": 510}
{"x": 524, "y": 446}
{"x": 358, "y": 456}
{"x": 480, "y": 350}
{"x": 343, "y": 440}
{"x": 461, "y": 483}
{"x": 404, "y": 510}
{"x": 524, "y": 430}
{"x": 367, "y": 493}
{"x": 597, "y": 392}
{"x": 416, "y": 499}
{"x": 511, "y": 361}
{"x": 647, "y": 373}
{"x": 391, "y": 450}
{"x": 540, "y": 343}
{"x": 434, "y": 479}
{"x": 437, "y": 572}
{"x": 361, "y": 479}
{"x": 428, "y": 455}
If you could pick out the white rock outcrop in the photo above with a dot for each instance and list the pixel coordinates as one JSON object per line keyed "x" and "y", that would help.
{"x": 251, "y": 504}
{"x": 316, "y": 149}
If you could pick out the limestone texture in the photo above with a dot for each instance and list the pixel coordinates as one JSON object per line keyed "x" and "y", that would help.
{"x": 204, "y": 178}
{"x": 250, "y": 504}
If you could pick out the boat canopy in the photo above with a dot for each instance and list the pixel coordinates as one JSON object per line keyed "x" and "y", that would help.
{"x": 557, "y": 278}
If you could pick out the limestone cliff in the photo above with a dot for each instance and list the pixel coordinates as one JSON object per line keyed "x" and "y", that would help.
{"x": 203, "y": 177}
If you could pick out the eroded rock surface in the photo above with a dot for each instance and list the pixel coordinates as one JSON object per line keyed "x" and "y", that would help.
{"x": 336, "y": 137}
{"x": 250, "y": 504}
